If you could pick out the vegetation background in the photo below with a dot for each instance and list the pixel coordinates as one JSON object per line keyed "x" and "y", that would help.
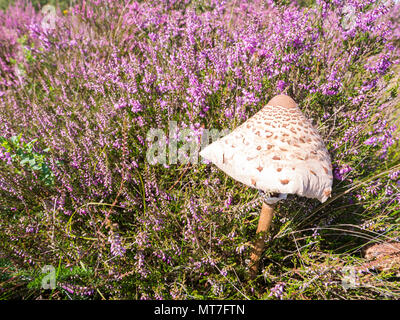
{"x": 77, "y": 101}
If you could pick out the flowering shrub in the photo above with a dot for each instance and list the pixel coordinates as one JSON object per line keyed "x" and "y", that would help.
{"x": 89, "y": 89}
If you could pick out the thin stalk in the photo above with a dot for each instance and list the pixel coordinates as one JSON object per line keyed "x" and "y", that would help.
{"x": 264, "y": 223}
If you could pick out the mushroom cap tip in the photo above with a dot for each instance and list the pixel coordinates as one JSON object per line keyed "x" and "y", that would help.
{"x": 282, "y": 100}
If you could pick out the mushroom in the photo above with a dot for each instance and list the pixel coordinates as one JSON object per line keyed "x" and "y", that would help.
{"x": 279, "y": 152}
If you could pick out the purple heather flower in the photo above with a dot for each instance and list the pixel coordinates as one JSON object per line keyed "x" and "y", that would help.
{"x": 277, "y": 290}
{"x": 280, "y": 85}
{"x": 340, "y": 173}
{"x": 116, "y": 247}
{"x": 394, "y": 175}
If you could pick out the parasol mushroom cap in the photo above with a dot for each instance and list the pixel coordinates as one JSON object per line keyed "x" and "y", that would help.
{"x": 276, "y": 151}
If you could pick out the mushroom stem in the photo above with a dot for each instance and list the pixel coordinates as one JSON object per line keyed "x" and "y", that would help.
{"x": 266, "y": 215}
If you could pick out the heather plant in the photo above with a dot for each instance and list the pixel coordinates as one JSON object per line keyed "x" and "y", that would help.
{"x": 79, "y": 99}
